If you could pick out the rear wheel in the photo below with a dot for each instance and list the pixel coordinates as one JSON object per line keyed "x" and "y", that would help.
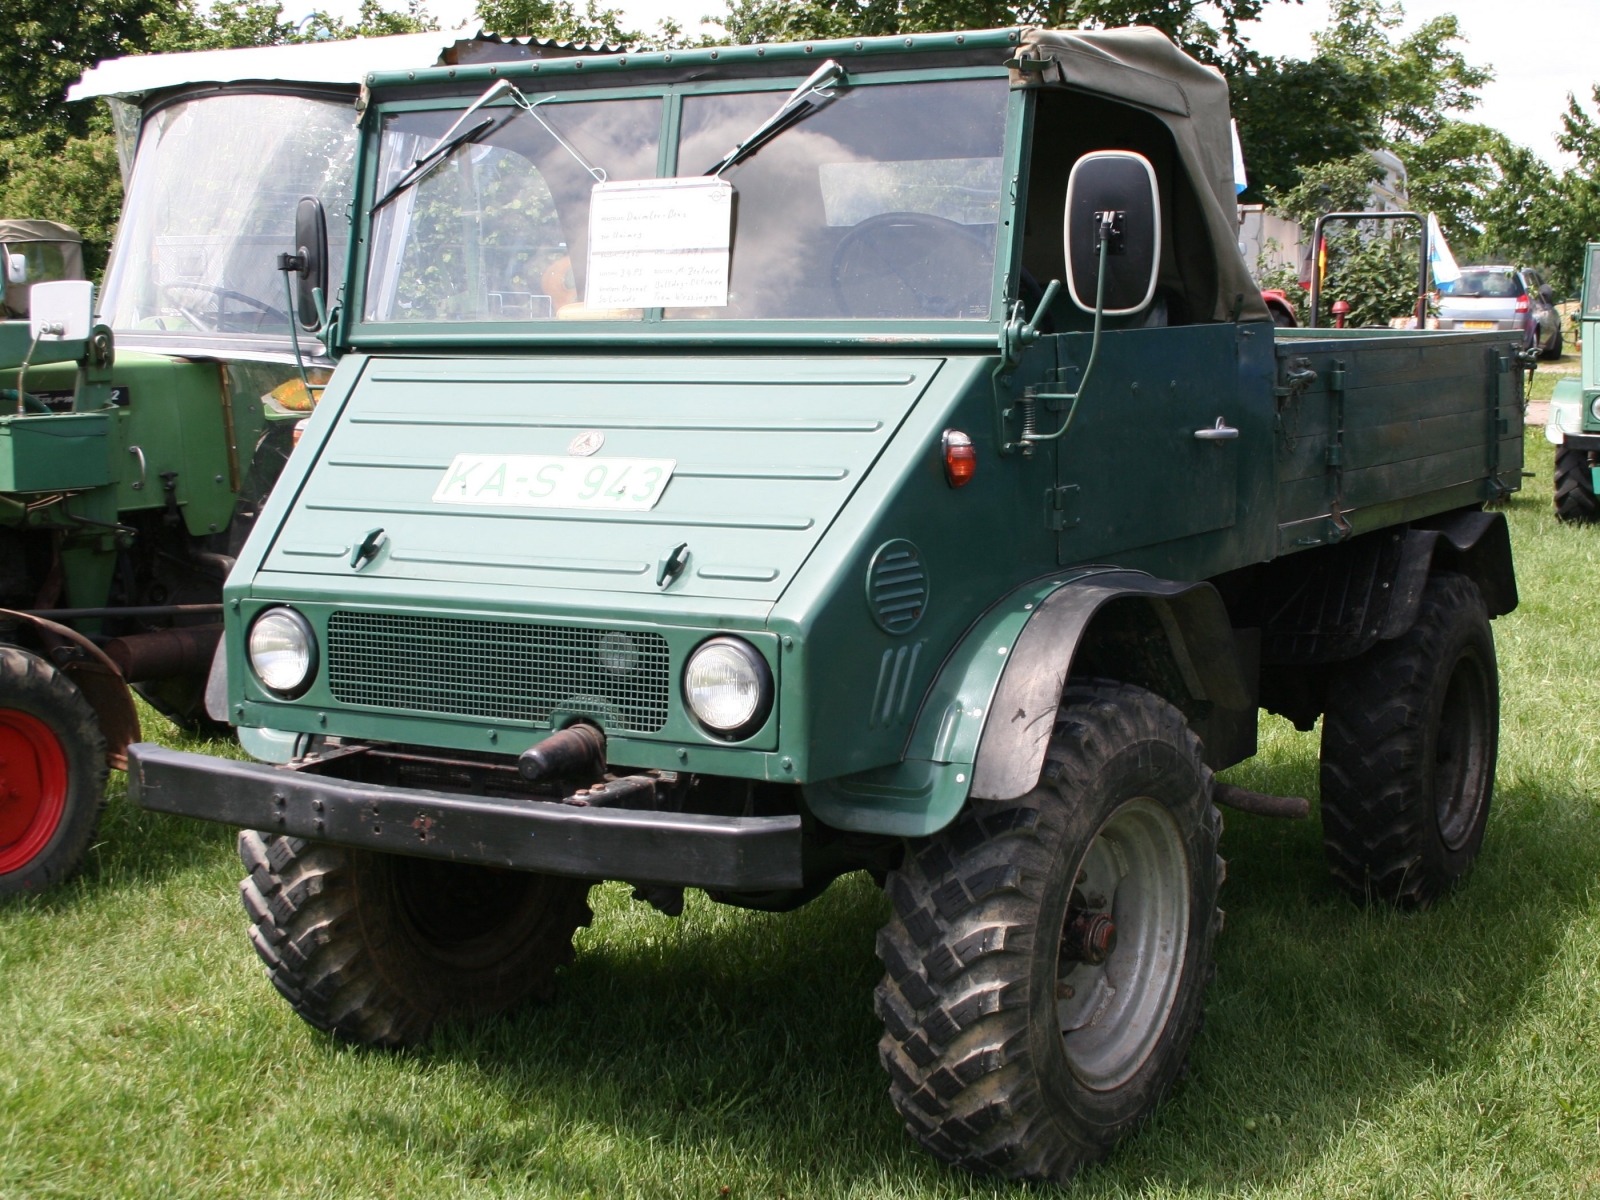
{"x": 1048, "y": 956}
{"x": 52, "y": 773}
{"x": 1409, "y": 743}
{"x": 377, "y": 948}
{"x": 1575, "y": 499}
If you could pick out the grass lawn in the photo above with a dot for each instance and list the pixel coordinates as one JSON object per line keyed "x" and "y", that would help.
{"x": 1346, "y": 1052}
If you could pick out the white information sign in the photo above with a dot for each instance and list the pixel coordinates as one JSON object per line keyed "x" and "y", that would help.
{"x": 659, "y": 243}
{"x": 555, "y": 481}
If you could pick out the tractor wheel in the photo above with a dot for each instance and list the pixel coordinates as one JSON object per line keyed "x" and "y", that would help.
{"x": 376, "y": 948}
{"x": 52, "y": 773}
{"x": 1409, "y": 742}
{"x": 1575, "y": 500}
{"x": 1048, "y": 956}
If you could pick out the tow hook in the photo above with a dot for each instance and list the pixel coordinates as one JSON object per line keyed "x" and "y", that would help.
{"x": 577, "y": 749}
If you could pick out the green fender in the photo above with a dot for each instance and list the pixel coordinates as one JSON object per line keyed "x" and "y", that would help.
{"x": 1018, "y": 654}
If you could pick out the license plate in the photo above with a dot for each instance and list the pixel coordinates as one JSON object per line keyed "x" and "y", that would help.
{"x": 555, "y": 481}
{"x": 1477, "y": 324}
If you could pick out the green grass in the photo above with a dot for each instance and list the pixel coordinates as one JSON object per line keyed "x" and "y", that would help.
{"x": 1346, "y": 1052}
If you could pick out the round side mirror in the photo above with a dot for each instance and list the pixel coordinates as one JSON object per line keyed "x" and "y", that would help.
{"x": 1112, "y": 196}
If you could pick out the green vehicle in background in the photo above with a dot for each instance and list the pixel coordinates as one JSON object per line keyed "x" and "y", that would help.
{"x": 36, "y": 252}
{"x": 1574, "y": 424}
{"x": 137, "y": 456}
{"x": 750, "y": 465}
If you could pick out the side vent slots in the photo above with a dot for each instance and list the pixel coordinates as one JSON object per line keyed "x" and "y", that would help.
{"x": 897, "y": 587}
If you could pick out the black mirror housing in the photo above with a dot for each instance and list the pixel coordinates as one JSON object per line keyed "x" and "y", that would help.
{"x": 311, "y": 249}
{"x": 1123, "y": 184}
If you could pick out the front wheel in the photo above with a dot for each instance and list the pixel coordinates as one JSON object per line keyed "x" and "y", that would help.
{"x": 1575, "y": 499}
{"x": 52, "y": 773}
{"x": 1048, "y": 956}
{"x": 1409, "y": 743}
{"x": 377, "y": 948}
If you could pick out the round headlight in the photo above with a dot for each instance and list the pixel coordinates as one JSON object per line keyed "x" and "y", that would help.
{"x": 283, "y": 651}
{"x": 728, "y": 687}
{"x": 1595, "y": 408}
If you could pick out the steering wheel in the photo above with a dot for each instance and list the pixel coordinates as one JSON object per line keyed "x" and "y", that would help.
{"x": 262, "y": 308}
{"x": 907, "y": 264}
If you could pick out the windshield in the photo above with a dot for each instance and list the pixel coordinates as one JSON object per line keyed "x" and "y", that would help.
{"x": 883, "y": 204}
{"x": 211, "y": 204}
{"x": 1591, "y": 289}
{"x": 498, "y": 232}
{"x": 1490, "y": 285}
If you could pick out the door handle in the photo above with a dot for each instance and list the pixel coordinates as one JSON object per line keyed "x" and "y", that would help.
{"x": 143, "y": 470}
{"x": 1219, "y": 432}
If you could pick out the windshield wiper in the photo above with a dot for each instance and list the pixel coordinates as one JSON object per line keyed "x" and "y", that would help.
{"x": 446, "y": 145}
{"x": 806, "y": 99}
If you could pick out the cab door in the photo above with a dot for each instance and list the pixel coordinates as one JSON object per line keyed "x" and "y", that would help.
{"x": 1153, "y": 454}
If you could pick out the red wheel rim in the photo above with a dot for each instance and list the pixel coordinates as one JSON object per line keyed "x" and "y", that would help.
{"x": 33, "y": 788}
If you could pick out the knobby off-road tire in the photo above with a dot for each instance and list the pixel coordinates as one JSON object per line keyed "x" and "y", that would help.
{"x": 376, "y": 948}
{"x": 1409, "y": 742}
{"x": 52, "y": 773}
{"x": 984, "y": 954}
{"x": 1575, "y": 499}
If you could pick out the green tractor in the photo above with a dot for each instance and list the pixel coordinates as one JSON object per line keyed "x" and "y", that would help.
{"x": 1574, "y": 424}
{"x": 138, "y": 443}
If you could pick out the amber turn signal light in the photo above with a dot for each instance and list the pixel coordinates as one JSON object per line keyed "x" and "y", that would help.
{"x": 960, "y": 458}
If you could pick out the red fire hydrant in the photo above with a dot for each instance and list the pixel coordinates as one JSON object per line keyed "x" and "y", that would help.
{"x": 1341, "y": 310}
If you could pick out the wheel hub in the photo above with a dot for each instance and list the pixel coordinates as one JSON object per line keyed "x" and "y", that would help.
{"x": 33, "y": 788}
{"x": 1123, "y": 944}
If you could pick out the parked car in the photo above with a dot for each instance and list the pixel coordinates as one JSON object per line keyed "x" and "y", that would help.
{"x": 1498, "y": 297}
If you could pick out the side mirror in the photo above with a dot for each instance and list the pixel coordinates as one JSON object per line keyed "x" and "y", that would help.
{"x": 16, "y": 268}
{"x": 1115, "y": 188}
{"x": 311, "y": 247}
{"x": 61, "y": 309}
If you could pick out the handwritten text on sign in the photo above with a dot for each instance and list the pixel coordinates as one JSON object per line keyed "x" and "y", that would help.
{"x": 659, "y": 243}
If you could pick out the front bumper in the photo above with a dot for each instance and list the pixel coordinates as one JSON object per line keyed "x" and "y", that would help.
{"x": 689, "y": 849}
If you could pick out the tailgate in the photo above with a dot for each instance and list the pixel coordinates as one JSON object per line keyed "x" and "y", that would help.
{"x": 767, "y": 451}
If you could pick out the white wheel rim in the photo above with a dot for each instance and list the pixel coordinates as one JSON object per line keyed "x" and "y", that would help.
{"x": 1112, "y": 1013}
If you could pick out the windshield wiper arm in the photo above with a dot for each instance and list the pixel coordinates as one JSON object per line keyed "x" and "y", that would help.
{"x": 446, "y": 145}
{"x": 806, "y": 99}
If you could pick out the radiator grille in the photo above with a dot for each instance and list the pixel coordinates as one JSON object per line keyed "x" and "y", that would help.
{"x": 499, "y": 669}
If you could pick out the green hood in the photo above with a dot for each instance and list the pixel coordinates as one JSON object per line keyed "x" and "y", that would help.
{"x": 767, "y": 451}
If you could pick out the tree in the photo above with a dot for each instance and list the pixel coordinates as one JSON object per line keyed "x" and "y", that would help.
{"x": 561, "y": 21}
{"x": 1362, "y": 89}
{"x": 1185, "y": 21}
{"x": 47, "y": 44}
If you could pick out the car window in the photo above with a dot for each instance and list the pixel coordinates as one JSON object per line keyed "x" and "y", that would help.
{"x": 1489, "y": 285}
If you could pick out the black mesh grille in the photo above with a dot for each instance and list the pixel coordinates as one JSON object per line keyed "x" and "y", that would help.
{"x": 499, "y": 669}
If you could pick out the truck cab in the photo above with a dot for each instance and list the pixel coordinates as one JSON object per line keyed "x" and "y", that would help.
{"x": 1574, "y": 423}
{"x": 748, "y": 465}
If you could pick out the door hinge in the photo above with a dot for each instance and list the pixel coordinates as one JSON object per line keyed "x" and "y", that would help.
{"x": 1061, "y": 506}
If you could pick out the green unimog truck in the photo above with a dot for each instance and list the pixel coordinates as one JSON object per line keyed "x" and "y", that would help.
{"x": 749, "y": 465}
{"x": 1574, "y": 424}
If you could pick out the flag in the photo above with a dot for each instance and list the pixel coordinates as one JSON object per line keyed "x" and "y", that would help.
{"x": 1443, "y": 263}
{"x": 1238, "y": 160}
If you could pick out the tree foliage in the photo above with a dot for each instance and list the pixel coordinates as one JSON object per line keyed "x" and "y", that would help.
{"x": 1187, "y": 22}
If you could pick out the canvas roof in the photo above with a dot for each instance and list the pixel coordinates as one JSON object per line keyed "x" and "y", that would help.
{"x": 1141, "y": 66}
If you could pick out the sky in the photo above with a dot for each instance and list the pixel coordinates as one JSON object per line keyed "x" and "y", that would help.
{"x": 1540, "y": 49}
